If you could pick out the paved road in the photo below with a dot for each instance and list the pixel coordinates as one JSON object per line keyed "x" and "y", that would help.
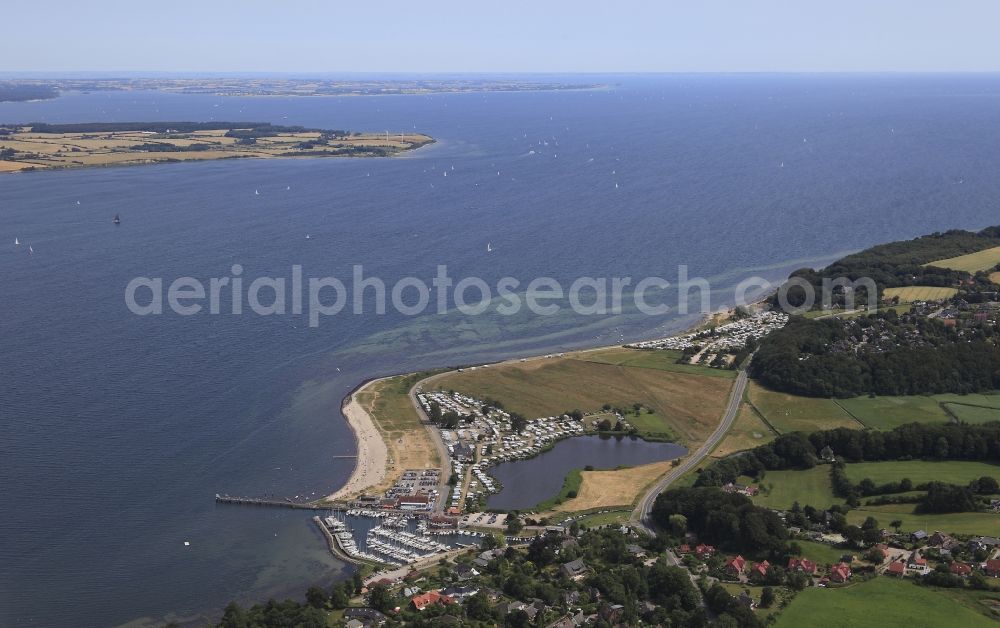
{"x": 641, "y": 514}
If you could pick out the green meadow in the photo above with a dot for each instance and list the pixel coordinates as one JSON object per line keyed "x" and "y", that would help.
{"x": 878, "y": 603}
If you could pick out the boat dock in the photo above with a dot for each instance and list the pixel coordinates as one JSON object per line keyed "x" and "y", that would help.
{"x": 273, "y": 503}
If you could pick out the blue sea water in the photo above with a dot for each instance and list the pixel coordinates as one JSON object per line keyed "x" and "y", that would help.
{"x": 117, "y": 430}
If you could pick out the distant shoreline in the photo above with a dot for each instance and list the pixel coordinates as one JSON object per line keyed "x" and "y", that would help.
{"x": 37, "y": 146}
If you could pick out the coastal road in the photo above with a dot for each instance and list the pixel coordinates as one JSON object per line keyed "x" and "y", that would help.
{"x": 641, "y": 515}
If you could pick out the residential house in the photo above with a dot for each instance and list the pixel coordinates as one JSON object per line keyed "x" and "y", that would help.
{"x": 896, "y": 568}
{"x": 960, "y": 569}
{"x": 983, "y": 542}
{"x": 563, "y": 622}
{"x": 684, "y": 548}
{"x": 993, "y": 568}
{"x": 465, "y": 571}
{"x": 366, "y": 615}
{"x": 917, "y": 562}
{"x": 460, "y": 593}
{"x": 636, "y": 551}
{"x": 801, "y": 565}
{"x": 422, "y": 601}
{"x": 759, "y": 570}
{"x": 940, "y": 539}
{"x": 918, "y": 536}
{"x": 704, "y": 552}
{"x": 612, "y": 614}
{"x": 841, "y": 572}
{"x": 509, "y": 607}
{"x": 575, "y": 569}
{"x": 735, "y": 566}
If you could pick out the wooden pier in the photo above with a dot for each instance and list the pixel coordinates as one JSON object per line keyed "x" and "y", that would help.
{"x": 274, "y": 503}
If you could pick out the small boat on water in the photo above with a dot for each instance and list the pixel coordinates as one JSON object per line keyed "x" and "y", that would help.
{"x": 117, "y": 220}
{"x": 256, "y": 192}
{"x": 489, "y": 247}
{"x": 17, "y": 242}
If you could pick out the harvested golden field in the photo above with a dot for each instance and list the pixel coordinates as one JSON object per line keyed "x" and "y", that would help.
{"x": 995, "y": 277}
{"x": 622, "y": 487}
{"x": 910, "y": 294}
{"x": 690, "y": 405}
{"x": 973, "y": 262}
{"x": 12, "y": 166}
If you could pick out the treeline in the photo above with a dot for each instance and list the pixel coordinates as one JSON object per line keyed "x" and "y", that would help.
{"x": 900, "y": 263}
{"x": 798, "y": 450}
{"x": 798, "y": 359}
{"x": 729, "y": 521}
{"x": 940, "y": 497}
{"x": 20, "y": 92}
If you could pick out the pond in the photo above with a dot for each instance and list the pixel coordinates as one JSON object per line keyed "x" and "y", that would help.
{"x": 528, "y": 482}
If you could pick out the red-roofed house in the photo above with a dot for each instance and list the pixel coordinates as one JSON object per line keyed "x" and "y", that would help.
{"x": 684, "y": 548}
{"x": 735, "y": 566}
{"x": 802, "y": 565}
{"x": 704, "y": 551}
{"x": 422, "y": 601}
{"x": 897, "y": 568}
{"x": 960, "y": 569}
{"x": 759, "y": 570}
{"x": 993, "y": 568}
{"x": 840, "y": 572}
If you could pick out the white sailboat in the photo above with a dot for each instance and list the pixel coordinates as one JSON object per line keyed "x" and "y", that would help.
{"x": 31, "y": 251}
{"x": 256, "y": 192}
{"x": 17, "y": 242}
{"x": 489, "y": 247}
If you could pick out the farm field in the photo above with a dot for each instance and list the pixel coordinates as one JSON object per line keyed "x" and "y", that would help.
{"x": 984, "y": 523}
{"x": 885, "y": 413}
{"x": 783, "y": 488}
{"x": 605, "y": 489}
{"x": 950, "y": 471}
{"x": 973, "y": 262}
{"x": 995, "y": 277}
{"x": 689, "y": 404}
{"x": 605, "y": 518}
{"x": 878, "y": 603}
{"x": 660, "y": 359}
{"x": 973, "y": 414}
{"x": 95, "y": 147}
{"x": 909, "y": 294}
{"x": 748, "y": 431}
{"x": 790, "y": 413}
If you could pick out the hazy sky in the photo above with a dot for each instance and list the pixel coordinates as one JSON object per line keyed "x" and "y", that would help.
{"x": 499, "y": 36}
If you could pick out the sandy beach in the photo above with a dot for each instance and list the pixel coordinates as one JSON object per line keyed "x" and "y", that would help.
{"x": 370, "y": 465}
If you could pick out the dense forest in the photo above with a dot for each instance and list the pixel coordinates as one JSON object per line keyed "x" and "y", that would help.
{"x": 882, "y": 354}
{"x": 899, "y": 263}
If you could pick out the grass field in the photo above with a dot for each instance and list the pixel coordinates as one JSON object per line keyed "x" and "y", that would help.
{"x": 790, "y": 413}
{"x": 878, "y": 603}
{"x": 995, "y": 277}
{"x": 973, "y": 262}
{"x": 780, "y": 489}
{"x": 909, "y": 294}
{"x": 748, "y": 431}
{"x": 606, "y": 489}
{"x": 605, "y": 518}
{"x": 821, "y": 553}
{"x": 662, "y": 360}
{"x": 885, "y": 413}
{"x": 973, "y": 414}
{"x": 409, "y": 443}
{"x": 951, "y": 471}
{"x": 690, "y": 404}
{"x": 985, "y": 523}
